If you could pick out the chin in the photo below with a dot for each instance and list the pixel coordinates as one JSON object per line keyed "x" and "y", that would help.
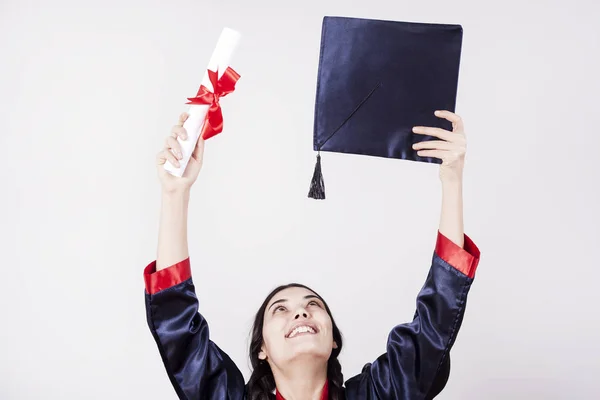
{"x": 309, "y": 350}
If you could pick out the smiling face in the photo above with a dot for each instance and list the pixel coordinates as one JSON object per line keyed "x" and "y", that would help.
{"x": 296, "y": 325}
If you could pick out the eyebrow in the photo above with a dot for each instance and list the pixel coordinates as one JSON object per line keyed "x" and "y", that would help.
{"x": 308, "y": 296}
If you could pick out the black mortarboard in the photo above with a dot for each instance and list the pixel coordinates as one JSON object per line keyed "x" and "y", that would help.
{"x": 378, "y": 79}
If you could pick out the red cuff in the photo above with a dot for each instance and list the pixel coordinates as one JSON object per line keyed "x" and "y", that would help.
{"x": 464, "y": 259}
{"x": 156, "y": 281}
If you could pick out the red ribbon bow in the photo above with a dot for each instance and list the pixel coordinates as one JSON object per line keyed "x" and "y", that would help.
{"x": 214, "y": 117}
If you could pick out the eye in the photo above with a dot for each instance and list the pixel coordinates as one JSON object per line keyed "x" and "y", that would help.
{"x": 279, "y": 308}
{"x": 314, "y": 303}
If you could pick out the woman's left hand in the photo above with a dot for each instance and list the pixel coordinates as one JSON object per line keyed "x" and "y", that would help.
{"x": 451, "y": 149}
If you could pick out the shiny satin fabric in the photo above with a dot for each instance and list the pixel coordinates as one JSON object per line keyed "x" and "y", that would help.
{"x": 415, "y": 365}
{"x": 196, "y": 366}
{"x": 378, "y": 79}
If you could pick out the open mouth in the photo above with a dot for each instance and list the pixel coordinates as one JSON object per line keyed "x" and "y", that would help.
{"x": 299, "y": 330}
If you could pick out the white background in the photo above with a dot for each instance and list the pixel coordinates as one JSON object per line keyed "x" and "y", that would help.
{"x": 89, "y": 90}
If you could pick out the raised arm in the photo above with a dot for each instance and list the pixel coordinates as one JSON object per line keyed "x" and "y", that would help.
{"x": 195, "y": 365}
{"x": 175, "y": 197}
{"x": 416, "y": 364}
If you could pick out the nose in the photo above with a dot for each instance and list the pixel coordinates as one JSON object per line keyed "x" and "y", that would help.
{"x": 300, "y": 313}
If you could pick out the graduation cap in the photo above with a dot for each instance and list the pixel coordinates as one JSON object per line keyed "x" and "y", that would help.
{"x": 378, "y": 79}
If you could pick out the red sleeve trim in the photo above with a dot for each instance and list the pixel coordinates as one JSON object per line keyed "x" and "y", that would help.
{"x": 156, "y": 281}
{"x": 465, "y": 259}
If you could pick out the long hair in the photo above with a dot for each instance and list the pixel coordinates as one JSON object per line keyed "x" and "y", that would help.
{"x": 261, "y": 384}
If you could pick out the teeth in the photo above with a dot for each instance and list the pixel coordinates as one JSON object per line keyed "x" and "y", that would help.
{"x": 301, "y": 329}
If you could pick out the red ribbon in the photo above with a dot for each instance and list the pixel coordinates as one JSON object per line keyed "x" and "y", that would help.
{"x": 214, "y": 118}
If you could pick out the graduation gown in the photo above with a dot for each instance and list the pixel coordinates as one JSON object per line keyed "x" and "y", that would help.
{"x": 416, "y": 363}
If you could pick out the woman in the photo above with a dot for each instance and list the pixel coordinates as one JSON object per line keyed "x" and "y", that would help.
{"x": 295, "y": 341}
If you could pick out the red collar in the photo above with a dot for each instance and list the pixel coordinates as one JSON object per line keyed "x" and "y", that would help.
{"x": 324, "y": 393}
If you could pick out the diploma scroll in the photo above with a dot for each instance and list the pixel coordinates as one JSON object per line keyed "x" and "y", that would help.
{"x": 195, "y": 124}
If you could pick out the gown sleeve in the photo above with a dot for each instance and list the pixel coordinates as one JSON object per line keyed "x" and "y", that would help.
{"x": 416, "y": 364}
{"x": 196, "y": 367}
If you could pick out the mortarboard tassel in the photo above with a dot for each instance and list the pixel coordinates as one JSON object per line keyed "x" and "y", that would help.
{"x": 317, "y": 185}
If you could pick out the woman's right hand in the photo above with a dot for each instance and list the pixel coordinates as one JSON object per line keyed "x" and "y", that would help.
{"x": 172, "y": 152}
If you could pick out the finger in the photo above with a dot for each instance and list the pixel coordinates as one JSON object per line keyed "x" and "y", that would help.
{"x": 182, "y": 118}
{"x": 456, "y": 120}
{"x": 160, "y": 157}
{"x": 165, "y": 155}
{"x": 437, "y": 132}
{"x": 199, "y": 149}
{"x": 441, "y": 154}
{"x": 434, "y": 144}
{"x": 168, "y": 156}
{"x": 173, "y": 145}
{"x": 179, "y": 131}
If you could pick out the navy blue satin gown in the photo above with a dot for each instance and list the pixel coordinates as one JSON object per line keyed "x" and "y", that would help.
{"x": 415, "y": 366}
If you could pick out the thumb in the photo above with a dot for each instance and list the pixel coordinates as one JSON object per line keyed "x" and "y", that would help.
{"x": 198, "y": 152}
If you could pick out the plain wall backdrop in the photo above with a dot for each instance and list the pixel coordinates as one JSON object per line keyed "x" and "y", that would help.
{"x": 89, "y": 90}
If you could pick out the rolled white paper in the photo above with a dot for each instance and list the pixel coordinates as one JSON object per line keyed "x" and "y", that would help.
{"x": 219, "y": 61}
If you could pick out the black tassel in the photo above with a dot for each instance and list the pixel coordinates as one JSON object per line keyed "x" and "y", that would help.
{"x": 317, "y": 186}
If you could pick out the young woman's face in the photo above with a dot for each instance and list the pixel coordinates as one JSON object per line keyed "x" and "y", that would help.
{"x": 296, "y": 324}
